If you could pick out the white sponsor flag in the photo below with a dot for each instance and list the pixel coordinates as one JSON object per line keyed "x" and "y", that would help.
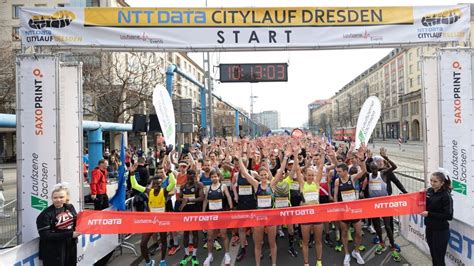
{"x": 165, "y": 112}
{"x": 368, "y": 117}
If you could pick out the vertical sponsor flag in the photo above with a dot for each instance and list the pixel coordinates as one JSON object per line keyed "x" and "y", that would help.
{"x": 165, "y": 113}
{"x": 456, "y": 126}
{"x": 118, "y": 200}
{"x": 368, "y": 117}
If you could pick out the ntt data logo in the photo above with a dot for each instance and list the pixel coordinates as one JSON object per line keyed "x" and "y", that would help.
{"x": 58, "y": 19}
{"x": 442, "y": 18}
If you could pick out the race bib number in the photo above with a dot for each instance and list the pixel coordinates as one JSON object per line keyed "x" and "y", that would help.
{"x": 295, "y": 186}
{"x": 324, "y": 179}
{"x": 375, "y": 185}
{"x": 227, "y": 182}
{"x": 189, "y": 197}
{"x": 215, "y": 205}
{"x": 281, "y": 202}
{"x": 157, "y": 209}
{"x": 245, "y": 190}
{"x": 311, "y": 197}
{"x": 349, "y": 195}
{"x": 264, "y": 201}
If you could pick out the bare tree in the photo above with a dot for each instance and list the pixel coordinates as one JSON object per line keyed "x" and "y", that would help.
{"x": 7, "y": 79}
{"x": 119, "y": 83}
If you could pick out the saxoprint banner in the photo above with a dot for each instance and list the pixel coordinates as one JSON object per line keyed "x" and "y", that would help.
{"x": 243, "y": 28}
{"x": 456, "y": 125}
{"x": 37, "y": 137}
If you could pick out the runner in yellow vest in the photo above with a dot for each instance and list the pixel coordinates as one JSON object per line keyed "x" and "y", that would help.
{"x": 156, "y": 203}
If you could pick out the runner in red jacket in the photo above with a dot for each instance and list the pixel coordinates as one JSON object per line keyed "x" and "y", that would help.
{"x": 98, "y": 186}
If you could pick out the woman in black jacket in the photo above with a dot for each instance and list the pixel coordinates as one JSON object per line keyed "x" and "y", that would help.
{"x": 56, "y": 228}
{"x": 439, "y": 210}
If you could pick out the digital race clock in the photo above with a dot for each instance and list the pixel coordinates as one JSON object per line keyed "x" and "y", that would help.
{"x": 267, "y": 72}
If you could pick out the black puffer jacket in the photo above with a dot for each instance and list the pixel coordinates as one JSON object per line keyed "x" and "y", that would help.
{"x": 439, "y": 205}
{"x": 56, "y": 227}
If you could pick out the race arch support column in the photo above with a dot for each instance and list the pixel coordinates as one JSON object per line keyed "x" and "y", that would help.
{"x": 96, "y": 146}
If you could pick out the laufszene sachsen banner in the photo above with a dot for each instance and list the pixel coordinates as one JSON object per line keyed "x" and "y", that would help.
{"x": 243, "y": 28}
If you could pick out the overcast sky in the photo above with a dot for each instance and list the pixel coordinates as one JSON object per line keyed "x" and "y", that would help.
{"x": 312, "y": 75}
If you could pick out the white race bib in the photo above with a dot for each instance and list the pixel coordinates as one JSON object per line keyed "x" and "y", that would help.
{"x": 215, "y": 204}
{"x": 349, "y": 195}
{"x": 227, "y": 182}
{"x": 311, "y": 197}
{"x": 295, "y": 186}
{"x": 264, "y": 201}
{"x": 245, "y": 190}
{"x": 375, "y": 186}
{"x": 178, "y": 189}
{"x": 189, "y": 196}
{"x": 281, "y": 202}
{"x": 324, "y": 179}
{"x": 157, "y": 209}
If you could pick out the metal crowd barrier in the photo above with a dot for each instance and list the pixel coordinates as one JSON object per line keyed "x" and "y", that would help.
{"x": 124, "y": 237}
{"x": 8, "y": 225}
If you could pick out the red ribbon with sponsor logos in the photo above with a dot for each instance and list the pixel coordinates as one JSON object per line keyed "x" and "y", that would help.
{"x": 115, "y": 222}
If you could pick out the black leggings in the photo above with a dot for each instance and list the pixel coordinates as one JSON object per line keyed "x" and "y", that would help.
{"x": 144, "y": 245}
{"x": 438, "y": 243}
{"x": 388, "y": 229}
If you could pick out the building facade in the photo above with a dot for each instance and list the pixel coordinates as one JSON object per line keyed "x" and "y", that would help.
{"x": 270, "y": 119}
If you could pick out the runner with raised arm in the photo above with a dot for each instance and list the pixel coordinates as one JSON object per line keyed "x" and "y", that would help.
{"x": 344, "y": 191}
{"x": 156, "y": 203}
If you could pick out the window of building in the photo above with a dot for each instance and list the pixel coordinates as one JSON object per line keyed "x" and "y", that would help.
{"x": 409, "y": 56}
{"x": 40, "y": 5}
{"x": 15, "y": 33}
{"x": 418, "y": 80}
{"x": 410, "y": 69}
{"x": 93, "y": 3}
{"x": 394, "y": 114}
{"x": 418, "y": 66}
{"x": 410, "y": 81}
{"x": 63, "y": 5}
{"x": 414, "y": 108}
{"x": 16, "y": 11}
{"x": 405, "y": 110}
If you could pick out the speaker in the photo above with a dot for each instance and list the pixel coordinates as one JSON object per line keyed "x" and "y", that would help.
{"x": 154, "y": 124}
{"x": 139, "y": 123}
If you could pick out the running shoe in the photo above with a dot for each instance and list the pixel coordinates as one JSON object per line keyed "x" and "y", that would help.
{"x": 173, "y": 250}
{"x": 380, "y": 249}
{"x": 227, "y": 259}
{"x": 241, "y": 254}
{"x": 319, "y": 263}
{"x": 356, "y": 255}
{"x": 194, "y": 261}
{"x": 205, "y": 245}
{"x": 361, "y": 247}
{"x": 339, "y": 247}
{"x": 185, "y": 260}
{"x": 163, "y": 263}
{"x": 396, "y": 256}
{"x": 150, "y": 263}
{"x": 397, "y": 247}
{"x": 372, "y": 230}
{"x": 347, "y": 260}
{"x": 375, "y": 240}
{"x": 208, "y": 260}
{"x": 328, "y": 242}
{"x": 235, "y": 240}
{"x": 217, "y": 245}
{"x": 281, "y": 234}
{"x": 292, "y": 252}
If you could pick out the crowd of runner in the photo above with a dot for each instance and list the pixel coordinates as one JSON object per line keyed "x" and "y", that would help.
{"x": 263, "y": 173}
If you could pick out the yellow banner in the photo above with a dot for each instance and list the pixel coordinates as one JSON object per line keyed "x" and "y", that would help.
{"x": 247, "y": 17}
